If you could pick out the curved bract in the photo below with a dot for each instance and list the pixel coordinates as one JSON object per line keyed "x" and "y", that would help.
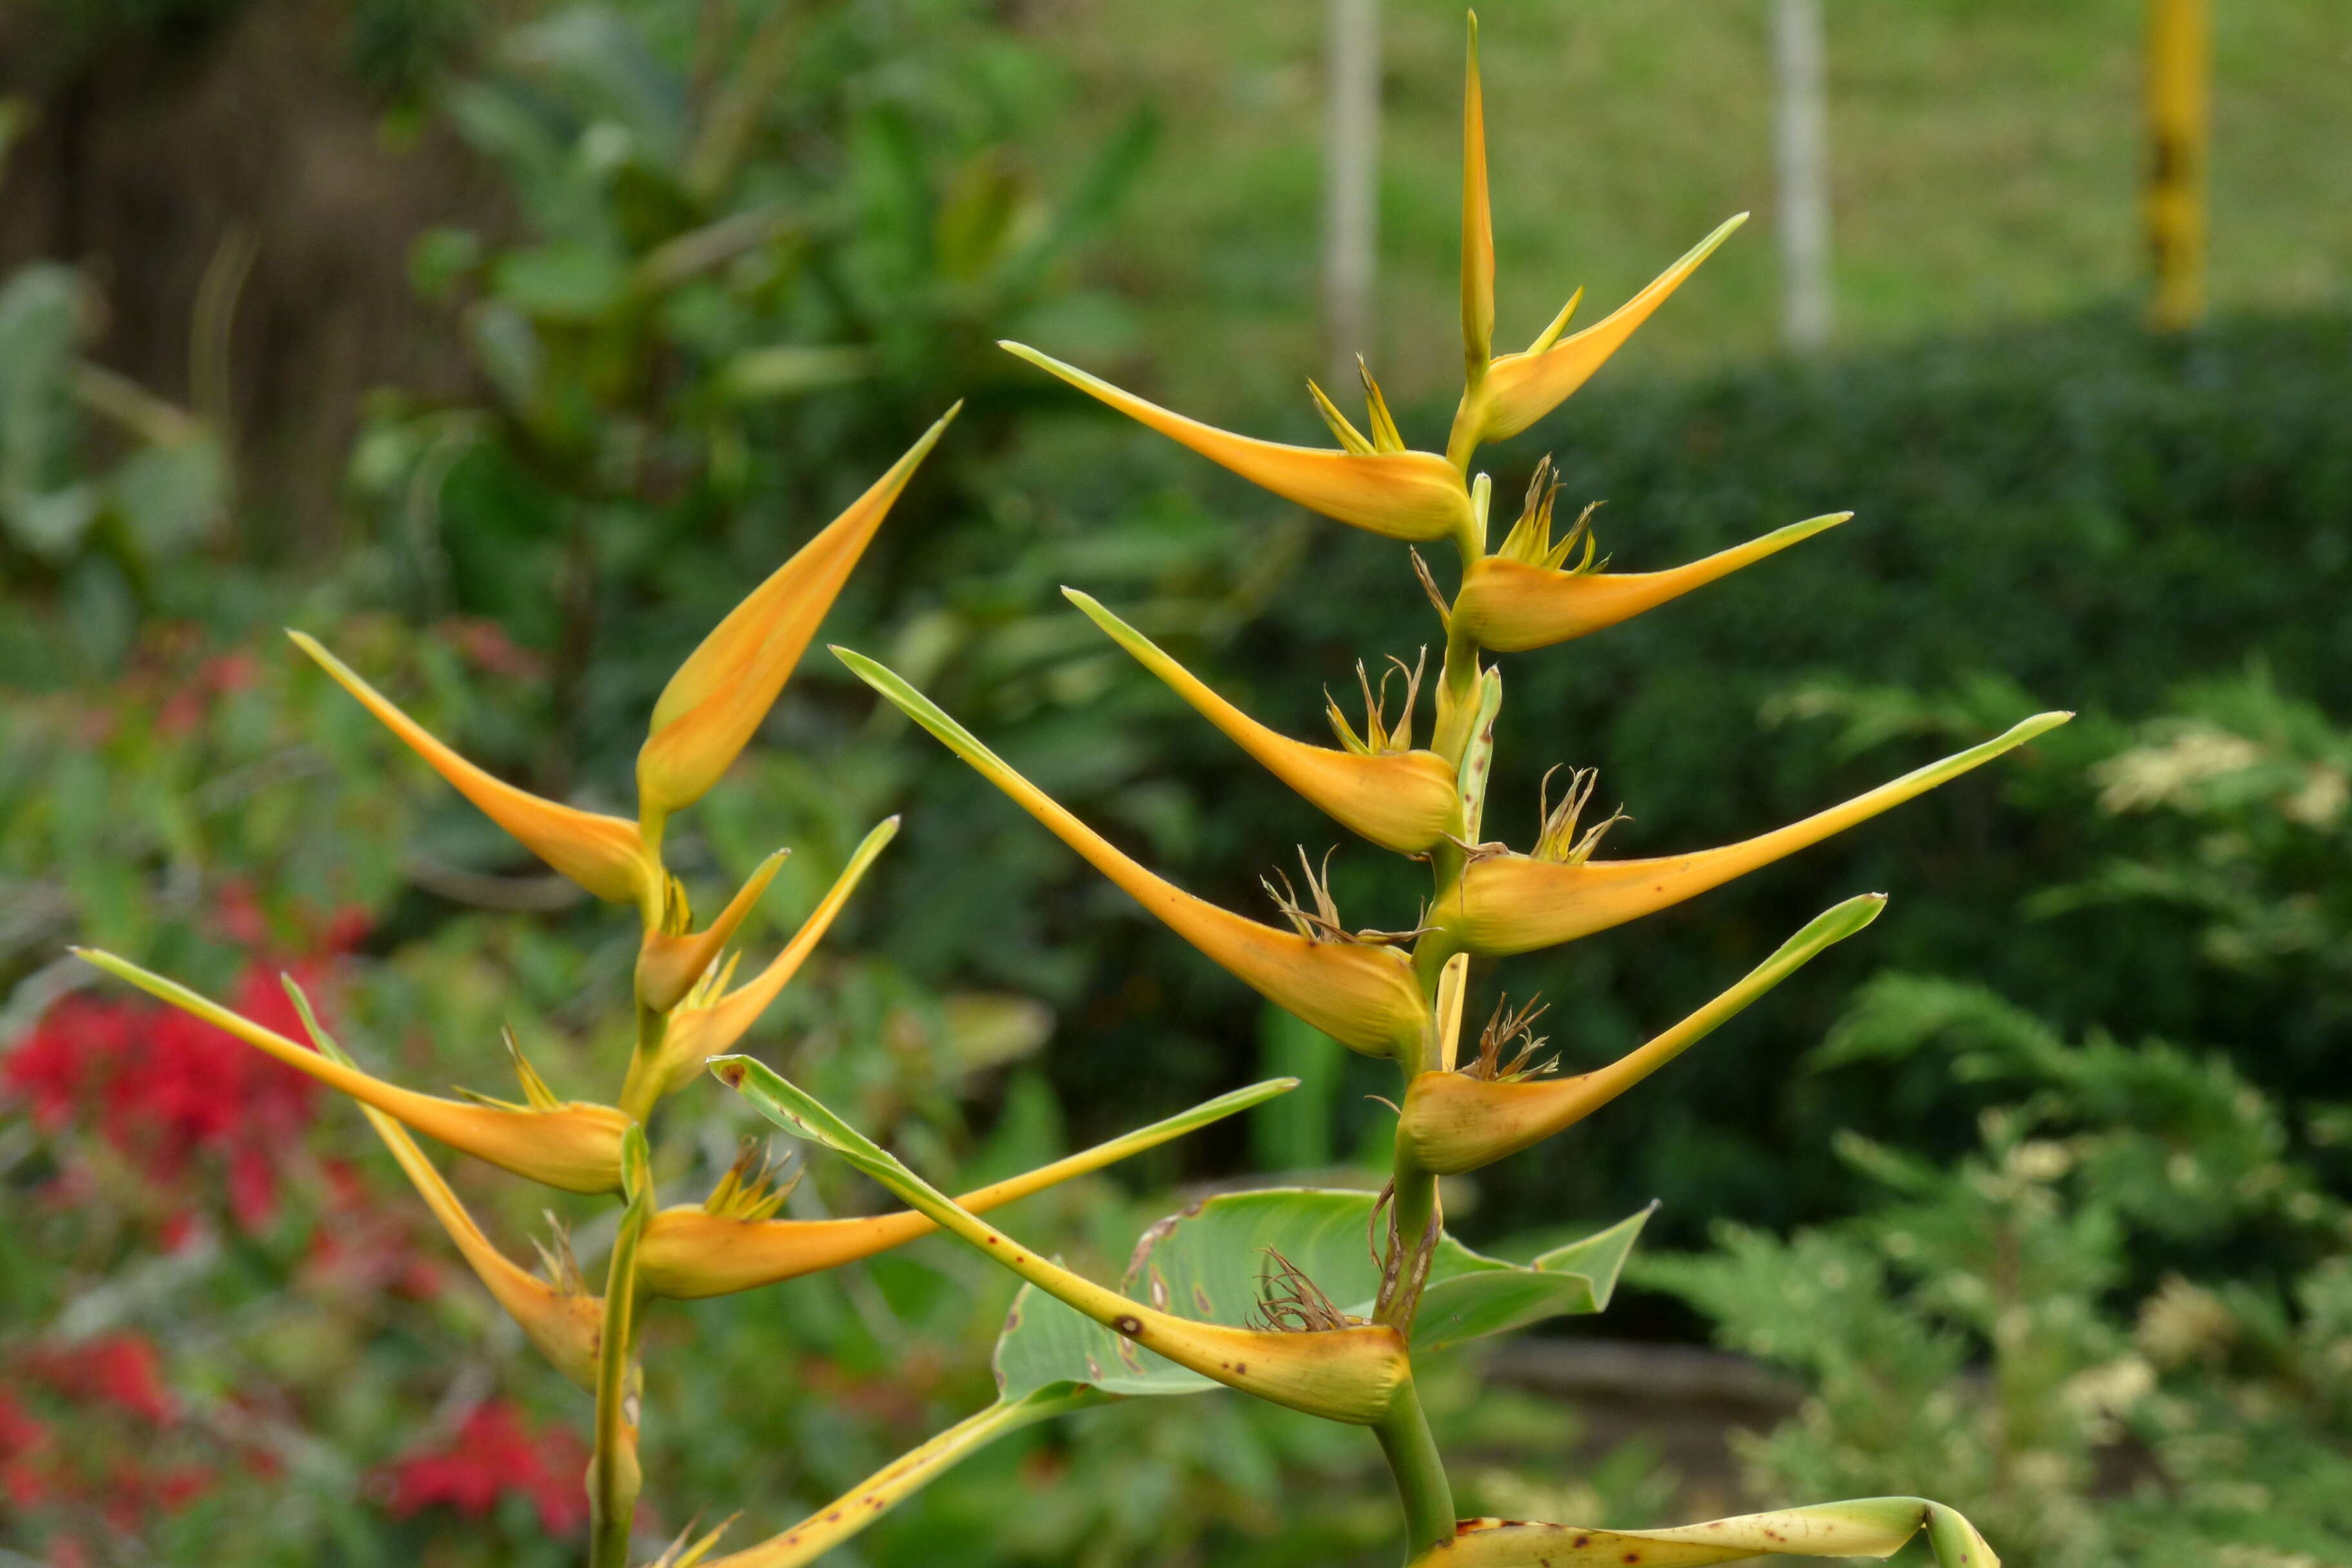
{"x": 1361, "y": 994}
{"x": 571, "y": 1145}
{"x": 567, "y": 1324}
{"x": 1405, "y": 801}
{"x": 602, "y": 854}
{"x": 668, "y": 966}
{"x": 690, "y": 1253}
{"x": 1511, "y": 607}
{"x": 1521, "y": 388}
{"x": 710, "y": 1018}
{"x": 1350, "y": 1374}
{"x": 1514, "y": 903}
{"x": 1454, "y": 1123}
{"x": 1868, "y": 1527}
{"x": 1416, "y": 496}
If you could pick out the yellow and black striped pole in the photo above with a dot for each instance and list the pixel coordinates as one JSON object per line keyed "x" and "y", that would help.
{"x": 2179, "y": 126}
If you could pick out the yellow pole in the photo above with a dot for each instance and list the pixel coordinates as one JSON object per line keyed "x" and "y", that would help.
{"x": 2179, "y": 125}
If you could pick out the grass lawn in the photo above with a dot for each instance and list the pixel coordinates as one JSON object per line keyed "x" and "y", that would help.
{"x": 1987, "y": 160}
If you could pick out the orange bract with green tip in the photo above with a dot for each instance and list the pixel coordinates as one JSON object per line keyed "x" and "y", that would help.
{"x": 569, "y": 1145}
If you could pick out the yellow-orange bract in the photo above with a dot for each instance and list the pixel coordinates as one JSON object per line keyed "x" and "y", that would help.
{"x": 1404, "y": 801}
{"x": 1362, "y": 994}
{"x": 1401, "y": 495}
{"x": 715, "y": 701}
{"x": 574, "y": 1146}
{"x": 602, "y": 854}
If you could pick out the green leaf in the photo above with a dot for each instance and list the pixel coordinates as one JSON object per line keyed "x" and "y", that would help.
{"x": 1205, "y": 1264}
{"x": 1867, "y": 1527}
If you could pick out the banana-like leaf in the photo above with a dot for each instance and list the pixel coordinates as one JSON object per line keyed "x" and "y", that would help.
{"x": 1205, "y": 1264}
{"x": 1867, "y": 1527}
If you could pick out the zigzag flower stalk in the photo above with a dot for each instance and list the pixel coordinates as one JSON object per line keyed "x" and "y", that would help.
{"x": 688, "y": 1008}
{"x": 1313, "y": 1333}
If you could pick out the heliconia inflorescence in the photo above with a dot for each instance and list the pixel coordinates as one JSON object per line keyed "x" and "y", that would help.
{"x": 1189, "y": 1315}
{"x": 1400, "y": 993}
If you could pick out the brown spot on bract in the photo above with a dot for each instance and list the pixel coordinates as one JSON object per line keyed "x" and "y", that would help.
{"x": 1240, "y": 1367}
{"x": 1632, "y": 1557}
{"x": 1129, "y": 1326}
{"x": 833, "y": 1516}
{"x": 1581, "y": 1541}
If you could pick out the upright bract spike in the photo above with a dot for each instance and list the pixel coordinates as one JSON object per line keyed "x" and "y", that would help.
{"x": 1512, "y": 606}
{"x": 576, "y": 1147}
{"x": 602, "y": 854}
{"x": 1477, "y": 225}
{"x": 1514, "y": 903}
{"x": 1401, "y": 800}
{"x": 1399, "y": 495}
{"x": 1351, "y": 1375}
{"x": 1363, "y": 996}
{"x": 713, "y": 704}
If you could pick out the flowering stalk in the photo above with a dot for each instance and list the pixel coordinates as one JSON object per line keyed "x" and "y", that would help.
{"x": 1399, "y": 995}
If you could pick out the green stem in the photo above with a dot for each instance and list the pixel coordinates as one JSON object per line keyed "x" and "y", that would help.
{"x": 614, "y": 1475}
{"x": 641, "y": 1089}
{"x": 1412, "y": 1454}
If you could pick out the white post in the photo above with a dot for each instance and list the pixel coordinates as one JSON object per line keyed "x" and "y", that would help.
{"x": 1802, "y": 158}
{"x": 1351, "y": 171}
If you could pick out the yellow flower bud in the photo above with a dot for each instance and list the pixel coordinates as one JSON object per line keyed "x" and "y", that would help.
{"x": 568, "y": 1144}
{"x": 715, "y": 703}
{"x": 1521, "y": 388}
{"x": 1455, "y": 1122}
{"x": 669, "y": 964}
{"x": 1511, "y": 606}
{"x": 1401, "y": 800}
{"x": 602, "y": 854}
{"x": 1510, "y": 903}
{"x": 1399, "y": 495}
{"x": 1361, "y": 994}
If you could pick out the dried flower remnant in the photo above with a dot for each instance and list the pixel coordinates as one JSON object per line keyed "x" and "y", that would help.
{"x": 1502, "y": 1030}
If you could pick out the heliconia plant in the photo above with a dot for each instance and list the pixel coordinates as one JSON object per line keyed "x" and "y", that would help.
{"x": 688, "y": 1007}
{"x": 1273, "y": 1293}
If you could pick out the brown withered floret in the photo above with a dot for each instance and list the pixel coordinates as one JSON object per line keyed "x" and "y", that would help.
{"x": 1288, "y": 1302}
{"x": 1504, "y": 1029}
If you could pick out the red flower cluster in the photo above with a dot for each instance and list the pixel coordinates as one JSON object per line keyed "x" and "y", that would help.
{"x": 163, "y": 1087}
{"x": 493, "y": 1454}
{"x": 123, "y": 1371}
{"x": 120, "y": 1370}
